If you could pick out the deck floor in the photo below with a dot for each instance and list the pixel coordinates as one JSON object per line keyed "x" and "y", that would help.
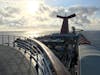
{"x": 13, "y": 62}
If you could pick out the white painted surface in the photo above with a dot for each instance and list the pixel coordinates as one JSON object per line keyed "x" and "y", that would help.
{"x": 89, "y": 60}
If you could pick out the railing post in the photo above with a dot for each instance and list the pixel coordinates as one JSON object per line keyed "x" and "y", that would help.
{"x": 13, "y": 41}
{"x": 30, "y": 64}
{"x": 37, "y": 66}
{"x": 8, "y": 41}
{"x": 2, "y": 39}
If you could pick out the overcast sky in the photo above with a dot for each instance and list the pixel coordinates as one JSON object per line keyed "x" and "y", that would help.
{"x": 41, "y": 14}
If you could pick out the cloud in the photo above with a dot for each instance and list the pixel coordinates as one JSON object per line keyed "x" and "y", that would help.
{"x": 10, "y": 16}
{"x": 85, "y": 15}
{"x": 45, "y": 17}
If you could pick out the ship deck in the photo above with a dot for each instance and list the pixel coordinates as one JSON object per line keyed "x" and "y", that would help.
{"x": 13, "y": 62}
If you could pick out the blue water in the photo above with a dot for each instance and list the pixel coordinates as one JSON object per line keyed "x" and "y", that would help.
{"x": 17, "y": 34}
{"x": 25, "y": 33}
{"x": 93, "y": 37}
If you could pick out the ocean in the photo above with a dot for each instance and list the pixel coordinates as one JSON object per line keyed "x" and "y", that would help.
{"x": 93, "y": 36}
{"x": 10, "y": 36}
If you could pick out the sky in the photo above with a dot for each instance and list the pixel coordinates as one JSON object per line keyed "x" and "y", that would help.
{"x": 40, "y": 15}
{"x": 73, "y": 2}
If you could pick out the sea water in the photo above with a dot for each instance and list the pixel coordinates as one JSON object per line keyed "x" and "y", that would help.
{"x": 10, "y": 36}
{"x": 92, "y": 36}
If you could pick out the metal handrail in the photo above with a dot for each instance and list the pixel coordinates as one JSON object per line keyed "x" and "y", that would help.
{"x": 57, "y": 65}
{"x": 25, "y": 45}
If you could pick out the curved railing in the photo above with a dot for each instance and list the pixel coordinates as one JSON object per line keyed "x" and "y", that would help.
{"x": 35, "y": 53}
{"x": 53, "y": 67}
{"x": 45, "y": 62}
{"x": 57, "y": 65}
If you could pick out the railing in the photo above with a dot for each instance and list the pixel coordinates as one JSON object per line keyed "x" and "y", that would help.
{"x": 56, "y": 64}
{"x": 8, "y": 39}
{"x": 45, "y": 62}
